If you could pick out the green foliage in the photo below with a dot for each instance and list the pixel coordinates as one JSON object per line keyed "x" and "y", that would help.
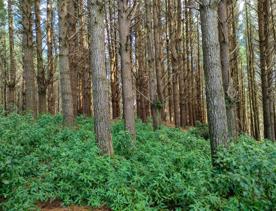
{"x": 168, "y": 169}
{"x": 200, "y": 130}
{"x": 247, "y": 174}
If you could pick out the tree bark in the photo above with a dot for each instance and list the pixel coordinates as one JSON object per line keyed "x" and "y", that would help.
{"x": 3, "y": 56}
{"x": 86, "y": 73}
{"x": 28, "y": 65}
{"x": 174, "y": 59}
{"x": 158, "y": 55}
{"x": 100, "y": 83}
{"x": 114, "y": 63}
{"x": 73, "y": 44}
{"x": 226, "y": 75}
{"x": 267, "y": 96}
{"x": 214, "y": 89}
{"x": 65, "y": 83}
{"x": 252, "y": 86}
{"x": 50, "y": 57}
{"x": 151, "y": 64}
{"x": 41, "y": 79}
{"x": 12, "y": 71}
{"x": 128, "y": 96}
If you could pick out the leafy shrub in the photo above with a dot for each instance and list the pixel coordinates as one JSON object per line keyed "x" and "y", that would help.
{"x": 247, "y": 175}
{"x": 165, "y": 170}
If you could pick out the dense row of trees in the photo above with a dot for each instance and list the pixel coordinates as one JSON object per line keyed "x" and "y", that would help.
{"x": 153, "y": 58}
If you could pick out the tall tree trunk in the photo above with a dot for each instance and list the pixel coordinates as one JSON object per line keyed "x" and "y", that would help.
{"x": 100, "y": 82}
{"x": 174, "y": 58}
{"x": 158, "y": 55}
{"x": 12, "y": 71}
{"x": 142, "y": 80}
{"x": 28, "y": 65}
{"x": 235, "y": 69}
{"x": 188, "y": 76}
{"x": 128, "y": 96}
{"x": 226, "y": 75}
{"x": 73, "y": 44}
{"x": 252, "y": 86}
{"x": 191, "y": 73}
{"x": 3, "y": 55}
{"x": 214, "y": 89}
{"x": 41, "y": 79}
{"x": 114, "y": 64}
{"x": 267, "y": 97}
{"x": 151, "y": 64}
{"x": 200, "y": 98}
{"x": 50, "y": 57}
{"x": 183, "y": 80}
{"x": 86, "y": 73}
{"x": 65, "y": 83}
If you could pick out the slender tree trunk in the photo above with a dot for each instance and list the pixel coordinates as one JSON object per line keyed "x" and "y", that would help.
{"x": 28, "y": 65}
{"x": 192, "y": 75}
{"x": 252, "y": 86}
{"x": 263, "y": 20}
{"x": 3, "y": 56}
{"x": 214, "y": 89}
{"x": 200, "y": 98}
{"x": 174, "y": 58}
{"x": 235, "y": 69}
{"x": 73, "y": 44}
{"x": 183, "y": 80}
{"x": 41, "y": 79}
{"x": 151, "y": 64}
{"x": 100, "y": 82}
{"x": 50, "y": 65}
{"x": 188, "y": 67}
{"x": 142, "y": 80}
{"x": 84, "y": 54}
{"x": 226, "y": 75}
{"x": 158, "y": 55}
{"x": 128, "y": 96}
{"x": 12, "y": 71}
{"x": 114, "y": 67}
{"x": 65, "y": 83}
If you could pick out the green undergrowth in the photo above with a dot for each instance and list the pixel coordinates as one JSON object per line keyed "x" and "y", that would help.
{"x": 165, "y": 170}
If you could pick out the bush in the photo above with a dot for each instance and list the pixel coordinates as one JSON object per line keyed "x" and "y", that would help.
{"x": 165, "y": 170}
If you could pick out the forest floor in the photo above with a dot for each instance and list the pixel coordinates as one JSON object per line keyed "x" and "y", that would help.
{"x": 46, "y": 166}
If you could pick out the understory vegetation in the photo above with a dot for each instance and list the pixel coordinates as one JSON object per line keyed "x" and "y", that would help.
{"x": 40, "y": 160}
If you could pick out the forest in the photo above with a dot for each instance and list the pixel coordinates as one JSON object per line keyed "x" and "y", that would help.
{"x": 137, "y": 105}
